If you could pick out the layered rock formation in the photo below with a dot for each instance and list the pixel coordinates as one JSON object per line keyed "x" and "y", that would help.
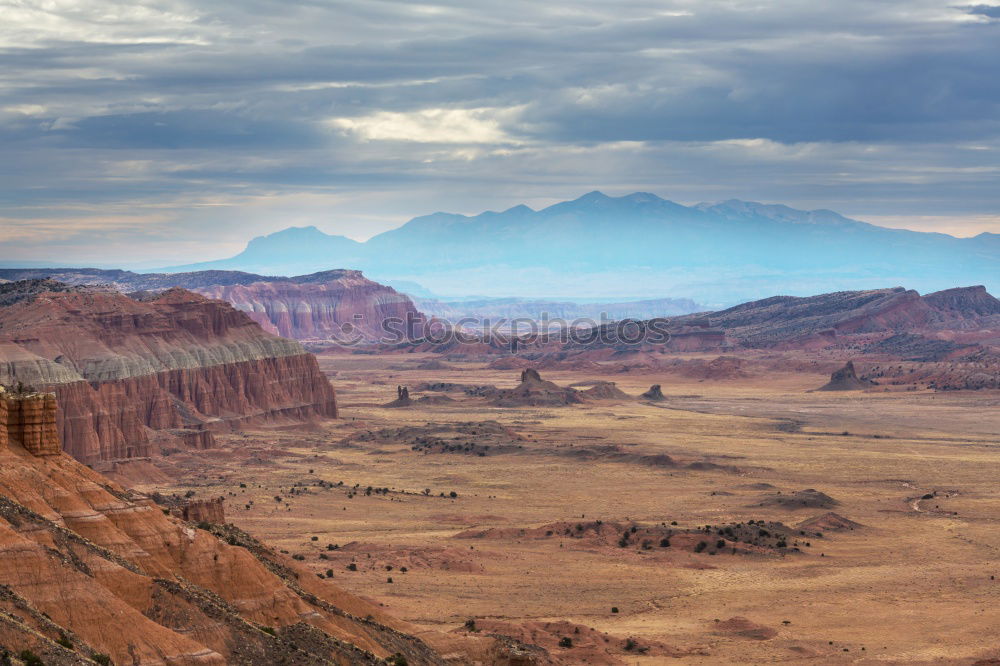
{"x": 130, "y": 374}
{"x": 334, "y": 305}
{"x": 967, "y": 315}
{"x": 533, "y": 391}
{"x": 29, "y": 419}
{"x": 340, "y": 306}
{"x": 90, "y": 572}
{"x": 846, "y": 379}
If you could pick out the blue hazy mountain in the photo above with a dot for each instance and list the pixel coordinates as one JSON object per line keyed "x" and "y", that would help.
{"x": 638, "y": 245}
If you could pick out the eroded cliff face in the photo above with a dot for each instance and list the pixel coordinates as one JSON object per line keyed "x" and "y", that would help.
{"x": 87, "y": 569}
{"x": 131, "y": 374}
{"x": 336, "y": 305}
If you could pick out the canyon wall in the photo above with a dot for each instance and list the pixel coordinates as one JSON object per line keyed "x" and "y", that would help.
{"x": 341, "y": 306}
{"x": 335, "y": 305}
{"x": 134, "y": 375}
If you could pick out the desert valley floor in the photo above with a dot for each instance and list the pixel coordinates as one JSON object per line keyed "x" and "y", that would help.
{"x": 538, "y": 541}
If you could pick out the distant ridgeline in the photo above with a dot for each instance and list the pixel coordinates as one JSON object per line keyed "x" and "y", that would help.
{"x": 636, "y": 246}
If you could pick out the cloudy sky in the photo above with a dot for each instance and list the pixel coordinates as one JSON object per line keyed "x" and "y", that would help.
{"x": 168, "y": 131}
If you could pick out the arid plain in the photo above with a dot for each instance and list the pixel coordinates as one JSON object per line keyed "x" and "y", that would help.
{"x": 538, "y": 542}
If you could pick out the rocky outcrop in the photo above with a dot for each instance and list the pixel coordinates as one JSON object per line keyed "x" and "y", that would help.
{"x": 846, "y": 379}
{"x": 29, "y": 420}
{"x": 338, "y": 306}
{"x": 601, "y": 390}
{"x": 89, "y": 569}
{"x": 402, "y": 398}
{"x": 654, "y": 394}
{"x": 533, "y": 391}
{"x": 177, "y": 366}
{"x": 964, "y": 303}
{"x": 205, "y": 511}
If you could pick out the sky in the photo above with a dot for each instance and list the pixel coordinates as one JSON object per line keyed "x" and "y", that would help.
{"x": 148, "y": 133}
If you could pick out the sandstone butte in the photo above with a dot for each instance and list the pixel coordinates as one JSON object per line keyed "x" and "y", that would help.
{"x": 88, "y": 569}
{"x": 334, "y": 305}
{"x": 132, "y": 375}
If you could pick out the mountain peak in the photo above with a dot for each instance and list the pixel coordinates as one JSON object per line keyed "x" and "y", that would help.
{"x": 519, "y": 209}
{"x": 642, "y": 197}
{"x": 295, "y": 232}
{"x": 593, "y": 197}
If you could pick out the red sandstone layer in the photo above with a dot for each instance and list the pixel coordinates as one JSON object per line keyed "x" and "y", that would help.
{"x": 180, "y": 364}
{"x": 344, "y": 307}
{"x": 86, "y": 568}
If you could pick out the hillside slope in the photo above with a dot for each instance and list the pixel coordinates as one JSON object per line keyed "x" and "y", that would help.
{"x": 88, "y": 569}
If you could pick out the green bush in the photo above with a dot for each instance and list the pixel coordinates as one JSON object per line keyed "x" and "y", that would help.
{"x": 30, "y": 658}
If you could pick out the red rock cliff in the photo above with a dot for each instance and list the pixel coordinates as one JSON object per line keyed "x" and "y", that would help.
{"x": 336, "y": 305}
{"x": 180, "y": 364}
{"x": 29, "y": 420}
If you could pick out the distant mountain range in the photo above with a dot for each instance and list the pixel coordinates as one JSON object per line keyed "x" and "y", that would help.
{"x": 631, "y": 247}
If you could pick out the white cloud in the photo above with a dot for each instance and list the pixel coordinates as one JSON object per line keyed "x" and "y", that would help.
{"x": 472, "y": 126}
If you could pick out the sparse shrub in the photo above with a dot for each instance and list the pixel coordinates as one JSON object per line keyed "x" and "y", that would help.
{"x": 268, "y": 630}
{"x": 700, "y": 547}
{"x": 629, "y": 645}
{"x": 403, "y": 569}
{"x": 329, "y": 573}
{"x": 470, "y": 625}
{"x": 389, "y": 579}
{"x": 352, "y": 567}
{"x": 664, "y": 542}
{"x": 720, "y": 544}
{"x": 453, "y": 494}
{"x": 100, "y": 658}
{"x": 397, "y": 660}
{"x": 315, "y": 538}
{"x": 565, "y": 642}
{"x": 614, "y": 609}
{"x": 64, "y": 641}
{"x": 299, "y": 557}
{"x": 30, "y": 658}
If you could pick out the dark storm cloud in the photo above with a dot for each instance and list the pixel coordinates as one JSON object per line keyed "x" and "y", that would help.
{"x": 442, "y": 104}
{"x": 985, "y": 10}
